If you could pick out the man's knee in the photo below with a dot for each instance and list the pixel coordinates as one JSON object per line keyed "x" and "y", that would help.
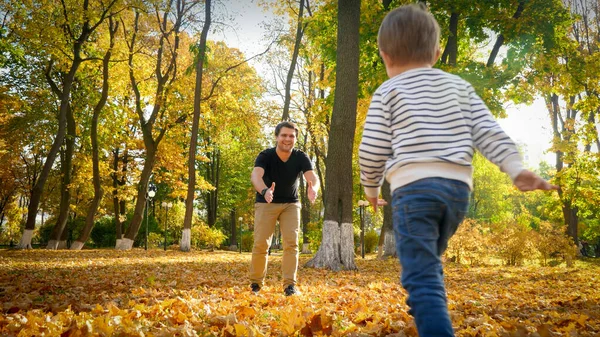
{"x": 261, "y": 246}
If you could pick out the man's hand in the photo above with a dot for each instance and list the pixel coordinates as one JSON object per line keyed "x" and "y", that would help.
{"x": 312, "y": 192}
{"x": 269, "y": 194}
{"x": 529, "y": 181}
{"x": 375, "y": 202}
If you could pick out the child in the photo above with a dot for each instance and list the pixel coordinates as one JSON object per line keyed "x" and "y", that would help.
{"x": 421, "y": 130}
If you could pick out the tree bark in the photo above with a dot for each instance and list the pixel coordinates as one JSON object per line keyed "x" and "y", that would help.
{"x": 213, "y": 169}
{"x": 387, "y": 240}
{"x": 290, "y": 75}
{"x": 98, "y": 191}
{"x": 570, "y": 216}
{"x": 189, "y": 201}
{"x": 337, "y": 246}
{"x": 56, "y": 241}
{"x": 86, "y": 29}
{"x": 500, "y": 38}
{"x": 451, "y": 51}
{"x": 147, "y": 125}
{"x": 234, "y": 235}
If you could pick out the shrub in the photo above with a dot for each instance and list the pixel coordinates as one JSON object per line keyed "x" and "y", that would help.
{"x": 104, "y": 233}
{"x": 371, "y": 241}
{"x": 204, "y": 236}
{"x": 315, "y": 235}
{"x": 469, "y": 243}
{"x": 156, "y": 240}
{"x": 551, "y": 242}
{"x": 247, "y": 241}
{"x": 512, "y": 242}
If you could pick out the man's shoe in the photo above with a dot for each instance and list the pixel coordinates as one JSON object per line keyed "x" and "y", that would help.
{"x": 290, "y": 290}
{"x": 255, "y": 287}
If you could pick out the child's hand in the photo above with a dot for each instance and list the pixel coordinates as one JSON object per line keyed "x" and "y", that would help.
{"x": 375, "y": 202}
{"x": 529, "y": 181}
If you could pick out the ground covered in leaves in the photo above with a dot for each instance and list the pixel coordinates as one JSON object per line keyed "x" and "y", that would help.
{"x": 157, "y": 293}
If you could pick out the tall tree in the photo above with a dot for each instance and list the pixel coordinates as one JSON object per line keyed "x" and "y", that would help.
{"x": 337, "y": 246}
{"x": 66, "y": 165}
{"x": 300, "y": 28}
{"x": 170, "y": 17}
{"x": 78, "y": 25}
{"x": 185, "y": 244}
{"x": 113, "y": 25}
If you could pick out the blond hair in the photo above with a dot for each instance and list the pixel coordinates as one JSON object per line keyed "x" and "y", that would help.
{"x": 409, "y": 34}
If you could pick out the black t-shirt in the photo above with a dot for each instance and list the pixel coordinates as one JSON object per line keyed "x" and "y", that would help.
{"x": 284, "y": 174}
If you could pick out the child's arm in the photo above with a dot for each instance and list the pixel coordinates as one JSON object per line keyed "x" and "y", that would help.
{"x": 376, "y": 147}
{"x": 496, "y": 145}
{"x": 491, "y": 140}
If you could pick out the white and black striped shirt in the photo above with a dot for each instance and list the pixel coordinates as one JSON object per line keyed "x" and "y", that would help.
{"x": 426, "y": 123}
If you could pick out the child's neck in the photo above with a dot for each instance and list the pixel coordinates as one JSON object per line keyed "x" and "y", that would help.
{"x": 396, "y": 70}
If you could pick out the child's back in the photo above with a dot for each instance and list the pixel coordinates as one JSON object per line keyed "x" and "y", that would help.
{"x": 430, "y": 122}
{"x": 421, "y": 131}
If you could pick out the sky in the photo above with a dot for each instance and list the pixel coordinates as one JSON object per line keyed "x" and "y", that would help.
{"x": 528, "y": 126}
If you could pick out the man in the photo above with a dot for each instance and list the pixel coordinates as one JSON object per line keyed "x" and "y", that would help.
{"x": 275, "y": 179}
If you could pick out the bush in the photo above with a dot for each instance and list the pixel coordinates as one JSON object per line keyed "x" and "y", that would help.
{"x": 315, "y": 235}
{"x": 371, "y": 241}
{"x": 469, "y": 244}
{"x": 247, "y": 241}
{"x": 73, "y": 228}
{"x": 512, "y": 242}
{"x": 156, "y": 240}
{"x": 204, "y": 236}
{"x": 104, "y": 233}
{"x": 551, "y": 242}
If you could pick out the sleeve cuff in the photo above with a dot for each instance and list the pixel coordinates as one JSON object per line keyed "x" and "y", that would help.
{"x": 513, "y": 166}
{"x": 372, "y": 192}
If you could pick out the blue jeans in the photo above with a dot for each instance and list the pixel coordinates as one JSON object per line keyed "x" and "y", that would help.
{"x": 426, "y": 213}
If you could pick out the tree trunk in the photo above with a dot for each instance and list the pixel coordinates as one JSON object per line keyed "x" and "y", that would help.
{"x": 147, "y": 124}
{"x": 234, "y": 237}
{"x": 570, "y": 216}
{"x": 500, "y": 38}
{"x": 451, "y": 51}
{"x": 98, "y": 192}
{"x": 115, "y": 179}
{"x": 213, "y": 171}
{"x": 387, "y": 240}
{"x": 337, "y": 246}
{"x": 140, "y": 205}
{"x": 55, "y": 241}
{"x": 290, "y": 75}
{"x": 38, "y": 189}
{"x": 86, "y": 29}
{"x": 189, "y": 201}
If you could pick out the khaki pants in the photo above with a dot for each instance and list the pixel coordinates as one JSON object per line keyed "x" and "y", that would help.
{"x": 265, "y": 218}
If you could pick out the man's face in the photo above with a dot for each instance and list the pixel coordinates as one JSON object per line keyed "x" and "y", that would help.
{"x": 286, "y": 139}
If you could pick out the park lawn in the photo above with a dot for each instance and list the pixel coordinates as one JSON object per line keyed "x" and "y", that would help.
{"x": 157, "y": 293}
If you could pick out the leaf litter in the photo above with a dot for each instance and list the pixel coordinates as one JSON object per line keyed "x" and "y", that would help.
{"x": 157, "y": 293}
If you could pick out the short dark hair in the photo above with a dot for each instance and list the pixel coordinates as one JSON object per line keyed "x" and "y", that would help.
{"x": 409, "y": 34}
{"x": 286, "y": 124}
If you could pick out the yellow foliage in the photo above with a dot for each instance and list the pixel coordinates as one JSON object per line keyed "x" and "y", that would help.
{"x": 553, "y": 242}
{"x": 469, "y": 244}
{"x": 511, "y": 242}
{"x": 204, "y": 236}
